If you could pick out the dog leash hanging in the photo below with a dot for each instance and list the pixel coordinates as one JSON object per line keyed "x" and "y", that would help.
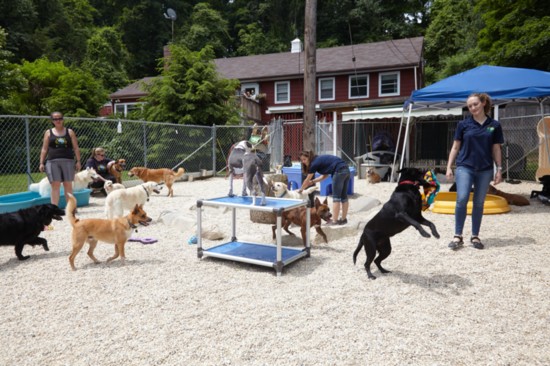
{"x": 146, "y": 192}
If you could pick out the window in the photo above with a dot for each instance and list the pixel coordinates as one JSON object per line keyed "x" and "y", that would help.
{"x": 125, "y": 108}
{"x": 326, "y": 89}
{"x": 251, "y": 88}
{"x": 389, "y": 84}
{"x": 282, "y": 92}
{"x": 359, "y": 86}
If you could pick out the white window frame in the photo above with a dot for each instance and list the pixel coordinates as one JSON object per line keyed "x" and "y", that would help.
{"x": 398, "y": 86}
{"x": 277, "y": 85}
{"x": 124, "y": 107}
{"x": 351, "y": 77}
{"x": 333, "y": 82}
{"x": 250, "y": 87}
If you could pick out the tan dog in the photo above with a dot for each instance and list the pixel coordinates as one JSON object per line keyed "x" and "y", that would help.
{"x": 372, "y": 176}
{"x": 280, "y": 190}
{"x": 115, "y": 231}
{"x": 109, "y": 186}
{"x": 115, "y": 169}
{"x": 511, "y": 198}
{"x": 297, "y": 216}
{"x": 165, "y": 175}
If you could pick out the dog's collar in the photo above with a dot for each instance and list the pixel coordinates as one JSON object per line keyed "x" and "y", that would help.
{"x": 146, "y": 192}
{"x": 132, "y": 226}
{"x": 409, "y": 182}
{"x": 118, "y": 170}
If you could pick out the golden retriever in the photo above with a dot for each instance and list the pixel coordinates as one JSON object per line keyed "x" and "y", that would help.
{"x": 115, "y": 231}
{"x": 165, "y": 175}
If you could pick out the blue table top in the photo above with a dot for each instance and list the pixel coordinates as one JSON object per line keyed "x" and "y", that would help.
{"x": 272, "y": 203}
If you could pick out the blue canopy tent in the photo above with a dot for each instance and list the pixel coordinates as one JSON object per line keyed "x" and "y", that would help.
{"x": 503, "y": 84}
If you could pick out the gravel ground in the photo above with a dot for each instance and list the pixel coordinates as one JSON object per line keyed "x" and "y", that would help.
{"x": 167, "y": 307}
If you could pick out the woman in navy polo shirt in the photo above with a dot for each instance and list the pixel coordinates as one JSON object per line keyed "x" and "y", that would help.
{"x": 338, "y": 169}
{"x": 477, "y": 144}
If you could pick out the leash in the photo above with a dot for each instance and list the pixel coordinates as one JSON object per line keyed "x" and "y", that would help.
{"x": 146, "y": 192}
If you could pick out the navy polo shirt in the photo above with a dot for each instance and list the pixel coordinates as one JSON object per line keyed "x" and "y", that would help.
{"x": 326, "y": 164}
{"x": 477, "y": 140}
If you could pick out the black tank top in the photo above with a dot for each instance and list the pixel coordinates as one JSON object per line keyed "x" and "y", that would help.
{"x": 60, "y": 147}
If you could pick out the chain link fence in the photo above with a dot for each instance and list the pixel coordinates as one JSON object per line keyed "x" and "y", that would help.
{"x": 198, "y": 148}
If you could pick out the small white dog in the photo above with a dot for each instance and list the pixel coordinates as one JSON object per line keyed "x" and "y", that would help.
{"x": 280, "y": 190}
{"x": 109, "y": 186}
{"x": 128, "y": 198}
{"x": 81, "y": 181}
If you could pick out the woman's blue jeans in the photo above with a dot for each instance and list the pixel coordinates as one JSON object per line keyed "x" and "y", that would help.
{"x": 466, "y": 178}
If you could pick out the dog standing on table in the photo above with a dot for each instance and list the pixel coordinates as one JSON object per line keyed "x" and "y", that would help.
{"x": 235, "y": 161}
{"x": 297, "y": 216}
{"x": 115, "y": 231}
{"x": 252, "y": 168}
{"x": 23, "y": 227}
{"x": 115, "y": 169}
{"x": 404, "y": 209}
{"x": 163, "y": 175}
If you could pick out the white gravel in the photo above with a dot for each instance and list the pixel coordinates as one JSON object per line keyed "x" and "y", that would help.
{"x": 167, "y": 307}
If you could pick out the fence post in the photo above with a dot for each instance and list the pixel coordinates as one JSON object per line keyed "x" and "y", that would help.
{"x": 214, "y": 141}
{"x": 28, "y": 147}
{"x": 144, "y": 144}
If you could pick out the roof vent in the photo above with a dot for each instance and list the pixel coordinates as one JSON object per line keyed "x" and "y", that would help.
{"x": 296, "y": 46}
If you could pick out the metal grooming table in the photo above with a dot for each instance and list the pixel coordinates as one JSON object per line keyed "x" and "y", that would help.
{"x": 268, "y": 255}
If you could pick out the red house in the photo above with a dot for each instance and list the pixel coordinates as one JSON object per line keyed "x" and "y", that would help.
{"x": 348, "y": 77}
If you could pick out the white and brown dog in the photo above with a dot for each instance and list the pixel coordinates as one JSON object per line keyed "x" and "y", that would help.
{"x": 114, "y": 231}
{"x": 372, "y": 176}
{"x": 280, "y": 190}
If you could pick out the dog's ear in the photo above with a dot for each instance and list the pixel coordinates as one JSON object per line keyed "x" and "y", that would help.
{"x": 325, "y": 202}
{"x": 317, "y": 203}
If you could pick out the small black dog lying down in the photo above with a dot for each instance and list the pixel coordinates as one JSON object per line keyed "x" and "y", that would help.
{"x": 404, "y": 209}
{"x": 24, "y": 226}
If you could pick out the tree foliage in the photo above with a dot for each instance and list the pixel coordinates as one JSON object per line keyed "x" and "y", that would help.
{"x": 190, "y": 91}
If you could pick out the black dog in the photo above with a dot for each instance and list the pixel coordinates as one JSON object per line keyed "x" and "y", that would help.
{"x": 402, "y": 210}
{"x": 24, "y": 226}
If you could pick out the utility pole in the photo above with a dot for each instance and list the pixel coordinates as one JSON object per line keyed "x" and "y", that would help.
{"x": 310, "y": 40}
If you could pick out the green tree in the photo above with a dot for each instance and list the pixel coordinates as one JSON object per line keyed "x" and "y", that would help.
{"x": 207, "y": 28}
{"x": 450, "y": 41}
{"x": 11, "y": 79}
{"x": 107, "y": 58}
{"x": 52, "y": 85}
{"x": 254, "y": 42}
{"x": 516, "y": 33}
{"x": 191, "y": 92}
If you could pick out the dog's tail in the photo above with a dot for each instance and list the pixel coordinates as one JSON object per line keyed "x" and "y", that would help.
{"x": 357, "y": 250}
{"x": 71, "y": 209}
{"x": 179, "y": 173}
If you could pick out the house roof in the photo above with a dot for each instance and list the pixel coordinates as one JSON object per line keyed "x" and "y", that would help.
{"x": 134, "y": 90}
{"x": 390, "y": 54}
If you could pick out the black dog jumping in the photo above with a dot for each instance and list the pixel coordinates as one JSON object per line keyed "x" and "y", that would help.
{"x": 404, "y": 209}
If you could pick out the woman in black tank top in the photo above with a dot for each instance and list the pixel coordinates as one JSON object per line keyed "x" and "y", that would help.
{"x": 60, "y": 148}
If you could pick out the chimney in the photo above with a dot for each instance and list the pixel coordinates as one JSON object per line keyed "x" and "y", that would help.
{"x": 296, "y": 46}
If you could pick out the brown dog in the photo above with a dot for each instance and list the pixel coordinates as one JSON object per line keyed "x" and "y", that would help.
{"x": 297, "y": 216}
{"x": 115, "y": 169}
{"x": 511, "y": 198}
{"x": 115, "y": 231}
{"x": 168, "y": 176}
{"x": 373, "y": 176}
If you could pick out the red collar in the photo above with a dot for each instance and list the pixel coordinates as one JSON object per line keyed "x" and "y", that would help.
{"x": 409, "y": 182}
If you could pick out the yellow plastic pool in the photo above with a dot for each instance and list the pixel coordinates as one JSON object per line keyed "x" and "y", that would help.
{"x": 445, "y": 204}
